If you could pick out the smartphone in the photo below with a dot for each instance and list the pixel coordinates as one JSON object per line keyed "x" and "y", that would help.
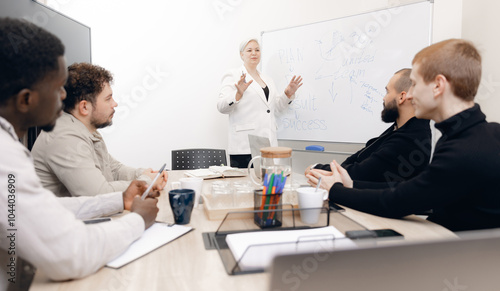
{"x": 337, "y": 208}
{"x": 97, "y": 220}
{"x": 375, "y": 233}
{"x": 387, "y": 233}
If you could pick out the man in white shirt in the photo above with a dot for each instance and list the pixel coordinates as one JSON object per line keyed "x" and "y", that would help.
{"x": 36, "y": 226}
{"x": 72, "y": 159}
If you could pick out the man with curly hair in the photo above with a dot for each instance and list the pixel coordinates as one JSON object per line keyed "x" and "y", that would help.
{"x": 72, "y": 160}
{"x": 43, "y": 230}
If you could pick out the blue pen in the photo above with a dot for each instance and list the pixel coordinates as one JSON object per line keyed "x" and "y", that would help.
{"x": 281, "y": 184}
{"x": 264, "y": 183}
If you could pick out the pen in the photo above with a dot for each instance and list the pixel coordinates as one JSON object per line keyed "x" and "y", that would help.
{"x": 244, "y": 80}
{"x": 145, "y": 194}
{"x": 317, "y": 185}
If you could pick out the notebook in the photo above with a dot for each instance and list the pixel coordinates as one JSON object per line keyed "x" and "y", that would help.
{"x": 154, "y": 237}
{"x": 214, "y": 172}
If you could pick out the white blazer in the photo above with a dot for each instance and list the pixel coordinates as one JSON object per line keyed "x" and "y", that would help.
{"x": 253, "y": 114}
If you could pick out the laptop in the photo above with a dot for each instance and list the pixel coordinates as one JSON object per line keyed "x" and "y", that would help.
{"x": 256, "y": 143}
{"x": 466, "y": 264}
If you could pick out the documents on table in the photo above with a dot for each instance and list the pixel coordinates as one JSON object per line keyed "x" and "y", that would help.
{"x": 152, "y": 238}
{"x": 217, "y": 172}
{"x": 256, "y": 250}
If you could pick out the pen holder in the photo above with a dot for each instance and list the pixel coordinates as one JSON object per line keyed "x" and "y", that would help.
{"x": 269, "y": 208}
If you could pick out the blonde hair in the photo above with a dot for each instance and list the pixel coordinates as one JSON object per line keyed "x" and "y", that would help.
{"x": 244, "y": 43}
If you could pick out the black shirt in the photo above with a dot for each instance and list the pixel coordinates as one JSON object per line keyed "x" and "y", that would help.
{"x": 266, "y": 92}
{"x": 461, "y": 184}
{"x": 396, "y": 155}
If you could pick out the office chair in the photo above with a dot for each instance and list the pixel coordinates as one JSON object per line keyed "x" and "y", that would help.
{"x": 197, "y": 158}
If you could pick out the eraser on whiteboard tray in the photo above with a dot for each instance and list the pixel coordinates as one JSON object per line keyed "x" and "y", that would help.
{"x": 317, "y": 148}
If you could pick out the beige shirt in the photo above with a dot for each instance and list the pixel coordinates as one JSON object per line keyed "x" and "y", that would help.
{"x": 46, "y": 230}
{"x": 72, "y": 161}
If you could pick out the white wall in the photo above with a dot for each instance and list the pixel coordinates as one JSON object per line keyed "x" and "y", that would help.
{"x": 480, "y": 25}
{"x": 168, "y": 58}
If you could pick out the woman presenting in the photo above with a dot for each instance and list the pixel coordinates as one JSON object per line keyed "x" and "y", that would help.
{"x": 250, "y": 98}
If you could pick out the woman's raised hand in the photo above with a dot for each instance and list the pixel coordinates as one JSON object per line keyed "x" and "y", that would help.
{"x": 242, "y": 86}
{"x": 292, "y": 87}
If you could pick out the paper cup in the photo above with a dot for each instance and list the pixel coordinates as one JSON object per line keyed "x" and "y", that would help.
{"x": 194, "y": 184}
{"x": 310, "y": 198}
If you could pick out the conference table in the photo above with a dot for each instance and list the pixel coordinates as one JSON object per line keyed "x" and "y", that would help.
{"x": 185, "y": 264}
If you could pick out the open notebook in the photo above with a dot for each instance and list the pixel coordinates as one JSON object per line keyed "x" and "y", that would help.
{"x": 154, "y": 237}
{"x": 214, "y": 172}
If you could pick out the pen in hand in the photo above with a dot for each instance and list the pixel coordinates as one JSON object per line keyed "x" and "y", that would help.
{"x": 145, "y": 194}
{"x": 317, "y": 185}
{"x": 243, "y": 75}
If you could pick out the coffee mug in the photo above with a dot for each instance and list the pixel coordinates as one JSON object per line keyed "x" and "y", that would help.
{"x": 310, "y": 198}
{"x": 190, "y": 183}
{"x": 181, "y": 202}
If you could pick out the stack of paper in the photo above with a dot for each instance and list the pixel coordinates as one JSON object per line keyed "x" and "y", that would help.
{"x": 256, "y": 250}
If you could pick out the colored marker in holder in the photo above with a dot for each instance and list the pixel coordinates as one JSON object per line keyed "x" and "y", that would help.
{"x": 268, "y": 201}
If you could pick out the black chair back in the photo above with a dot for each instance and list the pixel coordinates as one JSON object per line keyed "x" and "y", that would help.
{"x": 187, "y": 159}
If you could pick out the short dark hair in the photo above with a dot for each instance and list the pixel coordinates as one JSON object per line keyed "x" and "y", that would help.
{"x": 27, "y": 54}
{"x": 404, "y": 82}
{"x": 85, "y": 82}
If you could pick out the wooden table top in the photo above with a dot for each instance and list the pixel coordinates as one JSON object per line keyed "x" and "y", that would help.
{"x": 184, "y": 264}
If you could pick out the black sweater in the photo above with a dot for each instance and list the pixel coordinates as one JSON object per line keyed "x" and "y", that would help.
{"x": 396, "y": 155}
{"x": 461, "y": 185}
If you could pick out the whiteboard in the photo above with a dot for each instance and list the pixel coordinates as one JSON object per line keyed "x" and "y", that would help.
{"x": 346, "y": 64}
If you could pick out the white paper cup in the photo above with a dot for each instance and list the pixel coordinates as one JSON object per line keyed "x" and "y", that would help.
{"x": 195, "y": 184}
{"x": 310, "y": 198}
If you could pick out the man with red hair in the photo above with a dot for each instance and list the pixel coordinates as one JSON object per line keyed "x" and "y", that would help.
{"x": 462, "y": 183}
